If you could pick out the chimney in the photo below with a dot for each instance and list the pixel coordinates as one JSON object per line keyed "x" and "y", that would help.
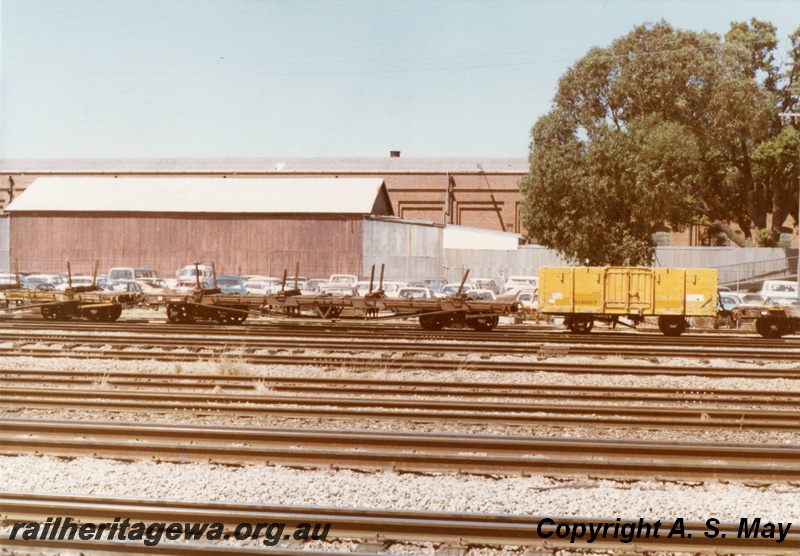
{"x": 394, "y": 154}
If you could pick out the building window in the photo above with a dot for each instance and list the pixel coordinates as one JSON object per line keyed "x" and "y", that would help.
{"x": 661, "y": 237}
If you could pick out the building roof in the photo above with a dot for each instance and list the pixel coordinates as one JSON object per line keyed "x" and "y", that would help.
{"x": 385, "y": 165}
{"x": 206, "y": 195}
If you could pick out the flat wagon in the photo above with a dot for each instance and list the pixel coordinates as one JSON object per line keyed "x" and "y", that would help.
{"x": 583, "y": 295}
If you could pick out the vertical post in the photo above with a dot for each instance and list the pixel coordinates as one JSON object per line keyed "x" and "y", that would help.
{"x": 197, "y": 273}
{"x": 786, "y": 117}
{"x": 69, "y": 275}
{"x": 371, "y": 278}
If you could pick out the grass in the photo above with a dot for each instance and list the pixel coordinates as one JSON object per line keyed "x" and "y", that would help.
{"x": 229, "y": 365}
{"x": 102, "y": 382}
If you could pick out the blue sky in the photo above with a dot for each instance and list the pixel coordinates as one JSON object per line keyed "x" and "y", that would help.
{"x": 295, "y": 78}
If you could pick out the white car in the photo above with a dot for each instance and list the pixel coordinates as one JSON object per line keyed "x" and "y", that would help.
{"x": 391, "y": 288}
{"x": 784, "y": 288}
{"x": 414, "y": 293}
{"x": 49, "y": 281}
{"x": 262, "y": 285}
{"x": 339, "y": 290}
{"x": 347, "y": 279}
{"x": 515, "y": 282}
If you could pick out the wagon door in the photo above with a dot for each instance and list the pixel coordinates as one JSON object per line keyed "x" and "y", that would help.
{"x": 701, "y": 292}
{"x": 629, "y": 291}
{"x": 555, "y": 290}
{"x": 670, "y": 291}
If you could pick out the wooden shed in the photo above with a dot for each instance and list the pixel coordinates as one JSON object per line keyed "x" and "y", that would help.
{"x": 246, "y": 226}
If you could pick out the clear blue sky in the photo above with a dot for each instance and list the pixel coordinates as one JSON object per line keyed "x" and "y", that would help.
{"x": 250, "y": 78}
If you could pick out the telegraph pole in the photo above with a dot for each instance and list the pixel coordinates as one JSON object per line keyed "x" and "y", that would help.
{"x": 787, "y": 117}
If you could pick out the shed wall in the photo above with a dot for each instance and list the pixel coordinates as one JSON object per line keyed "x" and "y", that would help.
{"x": 408, "y": 250}
{"x": 241, "y": 244}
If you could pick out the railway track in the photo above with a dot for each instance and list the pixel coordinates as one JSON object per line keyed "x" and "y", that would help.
{"x": 413, "y": 452}
{"x": 333, "y": 407}
{"x": 124, "y": 346}
{"x": 504, "y": 334}
{"x": 464, "y": 529}
{"x": 403, "y": 388}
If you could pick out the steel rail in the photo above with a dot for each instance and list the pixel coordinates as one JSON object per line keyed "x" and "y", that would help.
{"x": 371, "y": 330}
{"x": 467, "y": 529}
{"x": 464, "y": 346}
{"x": 334, "y": 332}
{"x": 437, "y": 364}
{"x": 419, "y": 452}
{"x": 365, "y": 387}
{"x": 417, "y": 410}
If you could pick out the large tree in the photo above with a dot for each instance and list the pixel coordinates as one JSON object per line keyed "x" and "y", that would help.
{"x": 666, "y": 127}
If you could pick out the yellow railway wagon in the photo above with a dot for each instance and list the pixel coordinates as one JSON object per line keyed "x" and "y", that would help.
{"x": 585, "y": 294}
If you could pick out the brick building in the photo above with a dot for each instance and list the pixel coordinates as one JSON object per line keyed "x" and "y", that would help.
{"x": 479, "y": 192}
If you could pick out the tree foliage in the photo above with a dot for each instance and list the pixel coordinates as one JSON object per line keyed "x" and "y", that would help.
{"x": 666, "y": 127}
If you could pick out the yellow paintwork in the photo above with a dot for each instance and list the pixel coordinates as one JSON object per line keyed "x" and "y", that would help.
{"x": 628, "y": 291}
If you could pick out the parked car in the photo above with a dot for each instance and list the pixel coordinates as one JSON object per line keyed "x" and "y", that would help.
{"x": 54, "y": 280}
{"x": 484, "y": 284}
{"x": 128, "y": 286}
{"x": 339, "y": 290}
{"x": 153, "y": 285}
{"x": 316, "y": 283}
{"x": 782, "y": 300}
{"x": 348, "y": 279}
{"x": 8, "y": 279}
{"x": 392, "y": 287}
{"x": 452, "y": 289}
{"x": 434, "y": 284}
{"x": 302, "y": 285}
{"x": 227, "y": 284}
{"x": 189, "y": 272}
{"x": 130, "y": 273}
{"x": 729, "y": 301}
{"x": 778, "y": 287}
{"x": 487, "y": 295}
{"x": 528, "y": 300}
{"x": 363, "y": 287}
{"x": 751, "y": 298}
{"x": 262, "y": 285}
{"x": 515, "y": 282}
{"x": 414, "y": 293}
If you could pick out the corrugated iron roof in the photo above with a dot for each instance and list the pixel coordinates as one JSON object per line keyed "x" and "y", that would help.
{"x": 211, "y": 195}
{"x": 387, "y": 165}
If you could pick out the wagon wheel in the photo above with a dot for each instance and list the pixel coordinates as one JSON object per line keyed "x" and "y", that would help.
{"x": 56, "y": 312}
{"x": 239, "y": 318}
{"x": 770, "y": 328}
{"x": 334, "y": 312}
{"x": 484, "y": 324}
{"x": 431, "y": 322}
{"x": 672, "y": 325}
{"x": 222, "y": 316}
{"x": 180, "y": 313}
{"x": 114, "y": 312}
{"x": 580, "y": 325}
{"x": 98, "y": 314}
{"x": 49, "y": 313}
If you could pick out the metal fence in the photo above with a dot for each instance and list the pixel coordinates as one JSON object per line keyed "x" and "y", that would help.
{"x": 747, "y": 275}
